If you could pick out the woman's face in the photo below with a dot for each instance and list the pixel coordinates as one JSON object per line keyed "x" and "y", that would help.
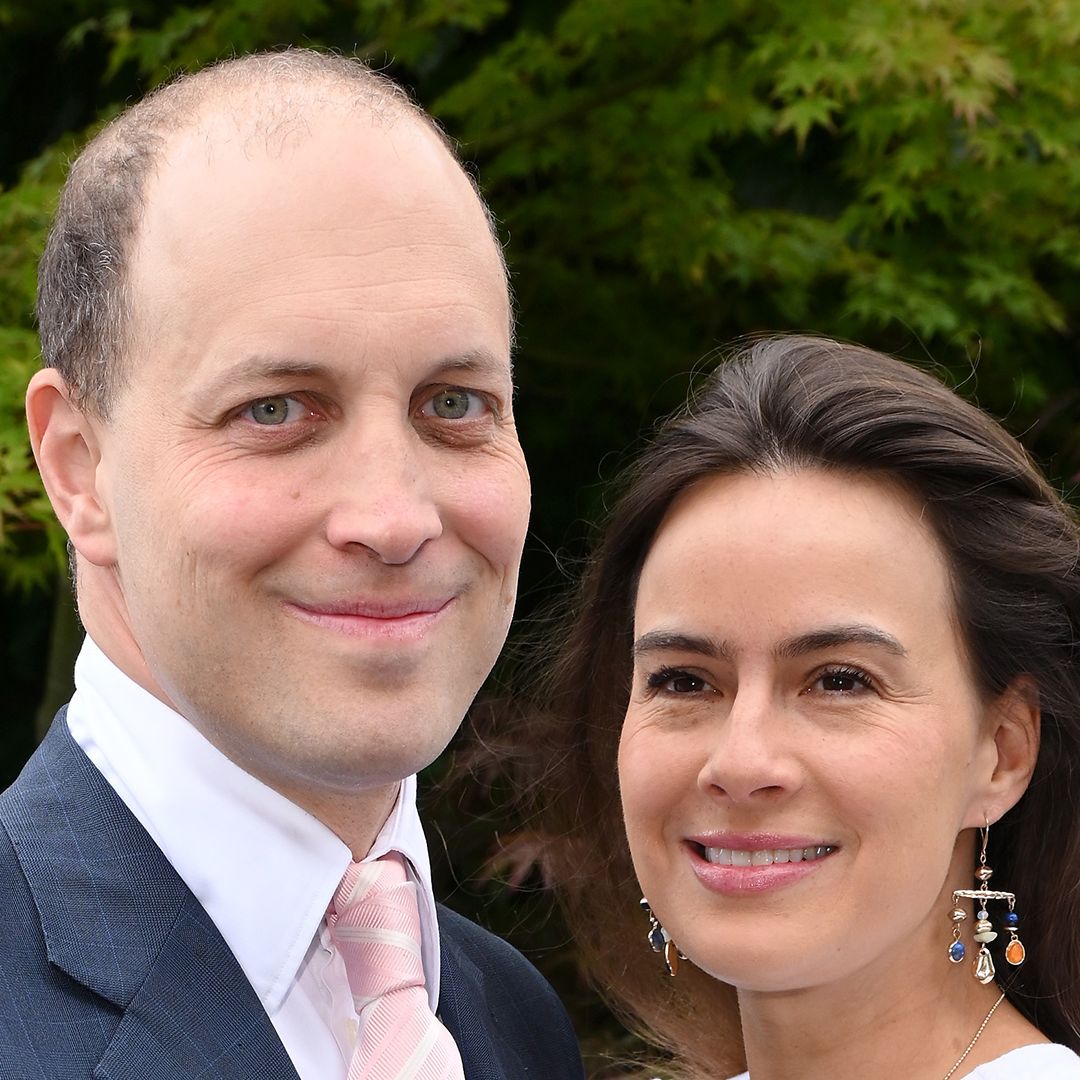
{"x": 804, "y": 740}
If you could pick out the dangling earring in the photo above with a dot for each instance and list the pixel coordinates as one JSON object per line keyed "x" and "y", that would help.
{"x": 984, "y": 929}
{"x": 660, "y": 941}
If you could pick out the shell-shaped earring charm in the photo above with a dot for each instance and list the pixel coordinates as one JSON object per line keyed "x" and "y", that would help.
{"x": 984, "y": 966}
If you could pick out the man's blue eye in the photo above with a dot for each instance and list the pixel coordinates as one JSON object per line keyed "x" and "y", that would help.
{"x": 454, "y": 403}
{"x": 272, "y": 410}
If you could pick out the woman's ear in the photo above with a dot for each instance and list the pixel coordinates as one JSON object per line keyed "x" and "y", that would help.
{"x": 67, "y": 450}
{"x": 1015, "y": 726}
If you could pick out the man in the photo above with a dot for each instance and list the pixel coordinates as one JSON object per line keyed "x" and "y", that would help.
{"x": 276, "y": 424}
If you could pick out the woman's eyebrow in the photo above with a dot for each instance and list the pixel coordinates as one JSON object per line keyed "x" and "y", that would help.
{"x": 832, "y": 636}
{"x": 812, "y": 641}
{"x": 674, "y": 641}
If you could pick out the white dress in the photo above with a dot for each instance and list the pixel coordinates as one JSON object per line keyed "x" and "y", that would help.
{"x": 1041, "y": 1061}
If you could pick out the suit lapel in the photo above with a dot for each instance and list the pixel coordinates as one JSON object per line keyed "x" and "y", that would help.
{"x": 464, "y": 1011}
{"x": 195, "y": 1015}
{"x": 118, "y": 919}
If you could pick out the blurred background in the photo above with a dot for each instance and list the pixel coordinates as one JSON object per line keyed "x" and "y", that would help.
{"x": 668, "y": 175}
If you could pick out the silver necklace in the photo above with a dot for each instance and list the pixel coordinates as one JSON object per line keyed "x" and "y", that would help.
{"x": 975, "y": 1037}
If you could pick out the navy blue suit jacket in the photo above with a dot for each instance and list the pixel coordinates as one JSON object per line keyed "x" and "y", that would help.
{"x": 110, "y": 968}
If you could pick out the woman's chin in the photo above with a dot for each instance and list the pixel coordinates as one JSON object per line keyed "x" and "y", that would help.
{"x": 764, "y": 971}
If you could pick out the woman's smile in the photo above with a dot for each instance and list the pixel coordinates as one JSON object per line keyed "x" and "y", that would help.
{"x": 719, "y": 856}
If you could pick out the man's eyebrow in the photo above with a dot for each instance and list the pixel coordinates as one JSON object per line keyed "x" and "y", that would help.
{"x": 673, "y": 641}
{"x": 832, "y": 636}
{"x": 270, "y": 368}
{"x": 264, "y": 369}
{"x": 480, "y": 362}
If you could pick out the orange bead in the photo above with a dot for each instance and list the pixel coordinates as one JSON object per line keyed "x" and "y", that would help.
{"x": 1014, "y": 953}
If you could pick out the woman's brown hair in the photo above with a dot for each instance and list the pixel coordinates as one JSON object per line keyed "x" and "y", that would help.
{"x": 1013, "y": 548}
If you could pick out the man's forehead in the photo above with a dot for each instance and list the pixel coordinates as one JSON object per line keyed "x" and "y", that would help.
{"x": 321, "y": 171}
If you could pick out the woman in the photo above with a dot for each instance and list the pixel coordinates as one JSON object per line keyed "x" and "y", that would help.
{"x": 824, "y": 668}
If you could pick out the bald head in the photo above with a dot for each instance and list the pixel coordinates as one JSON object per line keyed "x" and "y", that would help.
{"x": 266, "y": 103}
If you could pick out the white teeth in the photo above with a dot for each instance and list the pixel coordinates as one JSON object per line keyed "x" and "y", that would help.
{"x": 733, "y": 857}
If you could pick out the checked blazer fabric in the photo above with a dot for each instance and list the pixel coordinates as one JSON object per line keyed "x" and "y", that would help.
{"x": 110, "y": 968}
{"x": 375, "y": 923}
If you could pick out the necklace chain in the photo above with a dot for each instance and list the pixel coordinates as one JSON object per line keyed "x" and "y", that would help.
{"x": 975, "y": 1037}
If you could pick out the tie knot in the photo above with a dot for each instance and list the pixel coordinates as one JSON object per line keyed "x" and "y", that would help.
{"x": 375, "y": 924}
{"x": 366, "y": 882}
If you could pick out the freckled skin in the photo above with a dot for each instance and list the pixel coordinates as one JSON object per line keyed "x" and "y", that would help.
{"x": 893, "y": 772}
{"x": 359, "y": 254}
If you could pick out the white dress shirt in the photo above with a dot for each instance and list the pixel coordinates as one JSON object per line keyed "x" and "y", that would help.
{"x": 264, "y": 869}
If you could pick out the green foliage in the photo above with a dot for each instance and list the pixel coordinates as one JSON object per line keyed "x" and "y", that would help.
{"x": 31, "y": 546}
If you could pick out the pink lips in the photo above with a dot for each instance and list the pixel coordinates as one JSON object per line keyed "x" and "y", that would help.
{"x": 732, "y": 880}
{"x": 406, "y": 619}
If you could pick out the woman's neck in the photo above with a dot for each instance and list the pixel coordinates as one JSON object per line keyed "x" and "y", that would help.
{"x": 898, "y": 1024}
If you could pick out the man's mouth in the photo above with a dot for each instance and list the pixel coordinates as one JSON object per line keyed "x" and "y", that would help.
{"x": 396, "y": 621}
{"x": 403, "y": 608}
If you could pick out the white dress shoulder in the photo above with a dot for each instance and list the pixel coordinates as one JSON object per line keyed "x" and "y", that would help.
{"x": 1041, "y": 1061}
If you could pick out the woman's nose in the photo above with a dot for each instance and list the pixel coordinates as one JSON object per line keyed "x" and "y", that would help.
{"x": 752, "y": 755}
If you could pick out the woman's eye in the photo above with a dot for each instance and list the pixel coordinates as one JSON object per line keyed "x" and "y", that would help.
{"x": 455, "y": 403}
{"x": 843, "y": 681}
{"x": 273, "y": 411}
{"x": 676, "y": 682}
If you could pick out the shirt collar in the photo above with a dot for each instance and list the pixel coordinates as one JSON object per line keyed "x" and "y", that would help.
{"x": 264, "y": 869}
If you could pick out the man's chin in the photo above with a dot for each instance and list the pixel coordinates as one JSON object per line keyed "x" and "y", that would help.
{"x": 352, "y": 766}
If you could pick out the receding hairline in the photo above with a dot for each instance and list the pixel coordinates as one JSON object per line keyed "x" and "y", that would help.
{"x": 320, "y": 79}
{"x": 265, "y": 97}
{"x": 270, "y": 100}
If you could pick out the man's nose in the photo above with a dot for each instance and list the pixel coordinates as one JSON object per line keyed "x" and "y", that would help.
{"x": 753, "y": 756}
{"x": 384, "y": 494}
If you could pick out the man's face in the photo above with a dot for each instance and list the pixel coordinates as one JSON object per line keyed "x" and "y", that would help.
{"x": 316, "y": 490}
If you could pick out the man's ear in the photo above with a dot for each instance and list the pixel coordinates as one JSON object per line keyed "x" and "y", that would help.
{"x": 1015, "y": 724}
{"x": 67, "y": 451}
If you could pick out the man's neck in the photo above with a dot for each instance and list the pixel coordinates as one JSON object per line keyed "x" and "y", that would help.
{"x": 356, "y": 818}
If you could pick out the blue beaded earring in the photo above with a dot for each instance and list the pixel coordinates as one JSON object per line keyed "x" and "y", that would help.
{"x": 984, "y": 928}
{"x": 660, "y": 941}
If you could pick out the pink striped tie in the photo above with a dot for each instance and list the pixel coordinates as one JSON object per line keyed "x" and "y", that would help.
{"x": 375, "y": 923}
